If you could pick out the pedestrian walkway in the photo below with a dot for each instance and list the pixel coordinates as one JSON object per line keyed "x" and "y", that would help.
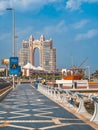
{"x": 25, "y": 108}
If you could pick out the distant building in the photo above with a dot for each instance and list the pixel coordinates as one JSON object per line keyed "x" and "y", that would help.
{"x": 46, "y": 50}
{"x": 2, "y": 69}
{"x": 24, "y": 53}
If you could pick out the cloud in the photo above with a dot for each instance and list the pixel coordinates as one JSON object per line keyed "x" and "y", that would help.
{"x": 58, "y": 28}
{"x": 7, "y": 35}
{"x": 88, "y": 35}
{"x": 25, "y": 4}
{"x": 80, "y": 24}
{"x": 76, "y": 4}
{"x": 73, "y": 4}
{"x": 3, "y": 5}
{"x": 51, "y": 30}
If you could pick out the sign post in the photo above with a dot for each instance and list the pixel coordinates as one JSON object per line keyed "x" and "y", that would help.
{"x": 14, "y": 68}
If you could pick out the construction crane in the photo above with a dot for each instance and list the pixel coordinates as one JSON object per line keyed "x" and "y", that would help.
{"x": 83, "y": 62}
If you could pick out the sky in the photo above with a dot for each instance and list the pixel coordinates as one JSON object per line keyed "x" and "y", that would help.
{"x": 71, "y": 24}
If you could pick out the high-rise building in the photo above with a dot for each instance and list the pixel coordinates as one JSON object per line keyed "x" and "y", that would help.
{"x": 46, "y": 52}
{"x": 24, "y": 53}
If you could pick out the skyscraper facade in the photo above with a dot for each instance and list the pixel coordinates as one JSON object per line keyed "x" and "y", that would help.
{"x": 24, "y": 54}
{"x": 46, "y": 52}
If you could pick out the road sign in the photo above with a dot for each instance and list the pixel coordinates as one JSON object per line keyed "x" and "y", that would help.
{"x": 14, "y": 68}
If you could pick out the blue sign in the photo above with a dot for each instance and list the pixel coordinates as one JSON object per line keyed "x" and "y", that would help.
{"x": 14, "y": 68}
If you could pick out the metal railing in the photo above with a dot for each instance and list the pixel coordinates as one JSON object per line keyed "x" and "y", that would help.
{"x": 66, "y": 97}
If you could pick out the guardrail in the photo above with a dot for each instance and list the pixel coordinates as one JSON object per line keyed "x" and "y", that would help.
{"x": 5, "y": 88}
{"x": 95, "y": 115}
{"x": 66, "y": 97}
{"x": 81, "y": 108}
{"x": 3, "y": 93}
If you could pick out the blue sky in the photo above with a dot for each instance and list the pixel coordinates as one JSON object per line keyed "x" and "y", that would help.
{"x": 71, "y": 24}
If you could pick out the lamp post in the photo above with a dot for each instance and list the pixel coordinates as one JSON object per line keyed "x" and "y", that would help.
{"x": 16, "y": 45}
{"x": 13, "y": 37}
{"x": 13, "y": 30}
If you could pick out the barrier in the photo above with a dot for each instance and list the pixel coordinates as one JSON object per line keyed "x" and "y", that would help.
{"x": 61, "y": 95}
{"x": 95, "y": 114}
{"x": 2, "y": 96}
{"x": 81, "y": 108}
{"x": 70, "y": 102}
{"x": 64, "y": 99}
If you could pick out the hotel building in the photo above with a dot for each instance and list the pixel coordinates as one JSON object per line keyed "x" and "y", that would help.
{"x": 47, "y": 54}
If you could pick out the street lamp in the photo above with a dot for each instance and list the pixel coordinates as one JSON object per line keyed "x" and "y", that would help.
{"x": 16, "y": 46}
{"x": 13, "y": 30}
{"x": 13, "y": 37}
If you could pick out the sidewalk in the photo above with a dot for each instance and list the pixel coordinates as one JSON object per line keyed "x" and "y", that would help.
{"x": 26, "y": 109}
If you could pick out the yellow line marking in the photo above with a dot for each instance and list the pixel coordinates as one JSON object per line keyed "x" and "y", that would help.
{"x": 56, "y": 121}
{"x": 4, "y": 124}
{"x": 22, "y": 127}
{"x": 27, "y": 121}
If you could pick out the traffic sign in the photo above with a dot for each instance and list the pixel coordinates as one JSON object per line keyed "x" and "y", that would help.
{"x": 14, "y": 68}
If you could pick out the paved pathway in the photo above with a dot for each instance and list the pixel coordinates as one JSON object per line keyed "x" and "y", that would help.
{"x": 26, "y": 109}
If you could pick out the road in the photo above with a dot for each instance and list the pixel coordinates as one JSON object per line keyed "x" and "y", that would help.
{"x": 25, "y": 108}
